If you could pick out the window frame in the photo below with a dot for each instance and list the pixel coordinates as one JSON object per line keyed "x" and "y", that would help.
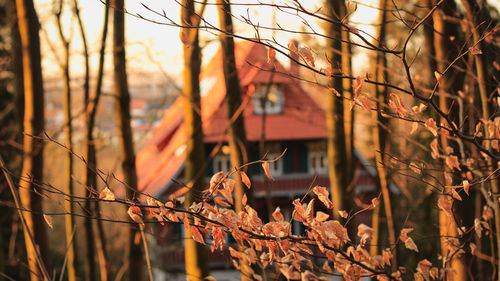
{"x": 270, "y": 107}
{"x": 224, "y": 160}
{"x": 317, "y": 162}
{"x": 277, "y": 167}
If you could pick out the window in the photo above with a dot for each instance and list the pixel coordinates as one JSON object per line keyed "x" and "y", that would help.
{"x": 274, "y": 100}
{"x": 298, "y": 228}
{"x": 222, "y": 162}
{"x": 178, "y": 233}
{"x": 276, "y": 167}
{"x": 318, "y": 162}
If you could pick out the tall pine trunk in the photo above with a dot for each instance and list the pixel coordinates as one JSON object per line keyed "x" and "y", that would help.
{"x": 127, "y": 155}
{"x": 32, "y": 171}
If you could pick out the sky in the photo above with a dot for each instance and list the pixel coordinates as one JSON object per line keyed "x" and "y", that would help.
{"x": 162, "y": 41}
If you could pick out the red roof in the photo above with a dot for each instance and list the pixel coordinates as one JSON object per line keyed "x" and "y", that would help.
{"x": 163, "y": 156}
{"x": 138, "y": 103}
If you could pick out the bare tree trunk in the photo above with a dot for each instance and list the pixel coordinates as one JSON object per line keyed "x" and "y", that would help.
{"x": 379, "y": 135}
{"x": 237, "y": 135}
{"x": 10, "y": 124}
{"x": 89, "y": 177}
{"x": 428, "y": 30}
{"x": 449, "y": 85}
{"x": 101, "y": 243}
{"x": 17, "y": 250}
{"x": 348, "y": 97}
{"x": 32, "y": 171}
{"x": 195, "y": 253}
{"x": 478, "y": 24}
{"x": 68, "y": 174}
{"x": 90, "y": 169}
{"x": 336, "y": 143}
{"x": 122, "y": 113}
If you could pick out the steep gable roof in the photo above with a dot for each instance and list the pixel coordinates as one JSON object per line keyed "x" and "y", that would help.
{"x": 163, "y": 156}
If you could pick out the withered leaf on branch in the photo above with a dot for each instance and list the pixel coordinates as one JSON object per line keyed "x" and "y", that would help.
{"x": 267, "y": 171}
{"x": 107, "y": 194}
{"x": 196, "y": 234}
{"x": 135, "y": 214}
{"x": 245, "y": 179}
{"x": 49, "y": 220}
{"x": 323, "y": 196}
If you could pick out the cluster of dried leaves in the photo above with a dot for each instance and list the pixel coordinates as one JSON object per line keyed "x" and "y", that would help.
{"x": 273, "y": 243}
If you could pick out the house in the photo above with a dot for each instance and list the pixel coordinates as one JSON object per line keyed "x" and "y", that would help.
{"x": 293, "y": 122}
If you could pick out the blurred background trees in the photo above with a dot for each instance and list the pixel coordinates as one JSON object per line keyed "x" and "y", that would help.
{"x": 424, "y": 96}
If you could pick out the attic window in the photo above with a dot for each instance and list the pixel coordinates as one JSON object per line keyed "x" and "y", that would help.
{"x": 274, "y": 99}
{"x": 222, "y": 162}
{"x": 276, "y": 167}
{"x": 318, "y": 163}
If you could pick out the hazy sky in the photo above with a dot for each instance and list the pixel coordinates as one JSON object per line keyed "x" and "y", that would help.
{"x": 162, "y": 41}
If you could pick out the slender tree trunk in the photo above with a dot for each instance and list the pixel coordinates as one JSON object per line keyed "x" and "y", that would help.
{"x": 101, "y": 243}
{"x": 122, "y": 113}
{"x": 90, "y": 169}
{"x": 17, "y": 249}
{"x": 68, "y": 174}
{"x": 32, "y": 171}
{"x": 17, "y": 64}
{"x": 429, "y": 44}
{"x": 237, "y": 136}
{"x": 379, "y": 66}
{"x": 336, "y": 142}
{"x": 11, "y": 122}
{"x": 7, "y": 130}
{"x": 348, "y": 97}
{"x": 195, "y": 253}
{"x": 478, "y": 24}
{"x": 89, "y": 177}
{"x": 448, "y": 85}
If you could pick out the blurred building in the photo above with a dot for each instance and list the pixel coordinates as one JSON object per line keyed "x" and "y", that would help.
{"x": 293, "y": 122}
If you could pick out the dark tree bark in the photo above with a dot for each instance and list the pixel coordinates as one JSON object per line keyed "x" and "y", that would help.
{"x": 237, "y": 136}
{"x": 68, "y": 134}
{"x": 122, "y": 113}
{"x": 11, "y": 127}
{"x": 348, "y": 97}
{"x": 90, "y": 154}
{"x": 487, "y": 79}
{"x": 448, "y": 85}
{"x": 336, "y": 142}
{"x": 379, "y": 66}
{"x": 10, "y": 123}
{"x": 195, "y": 253}
{"x": 32, "y": 171}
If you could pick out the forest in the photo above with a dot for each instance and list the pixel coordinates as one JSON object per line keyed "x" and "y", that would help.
{"x": 249, "y": 140}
